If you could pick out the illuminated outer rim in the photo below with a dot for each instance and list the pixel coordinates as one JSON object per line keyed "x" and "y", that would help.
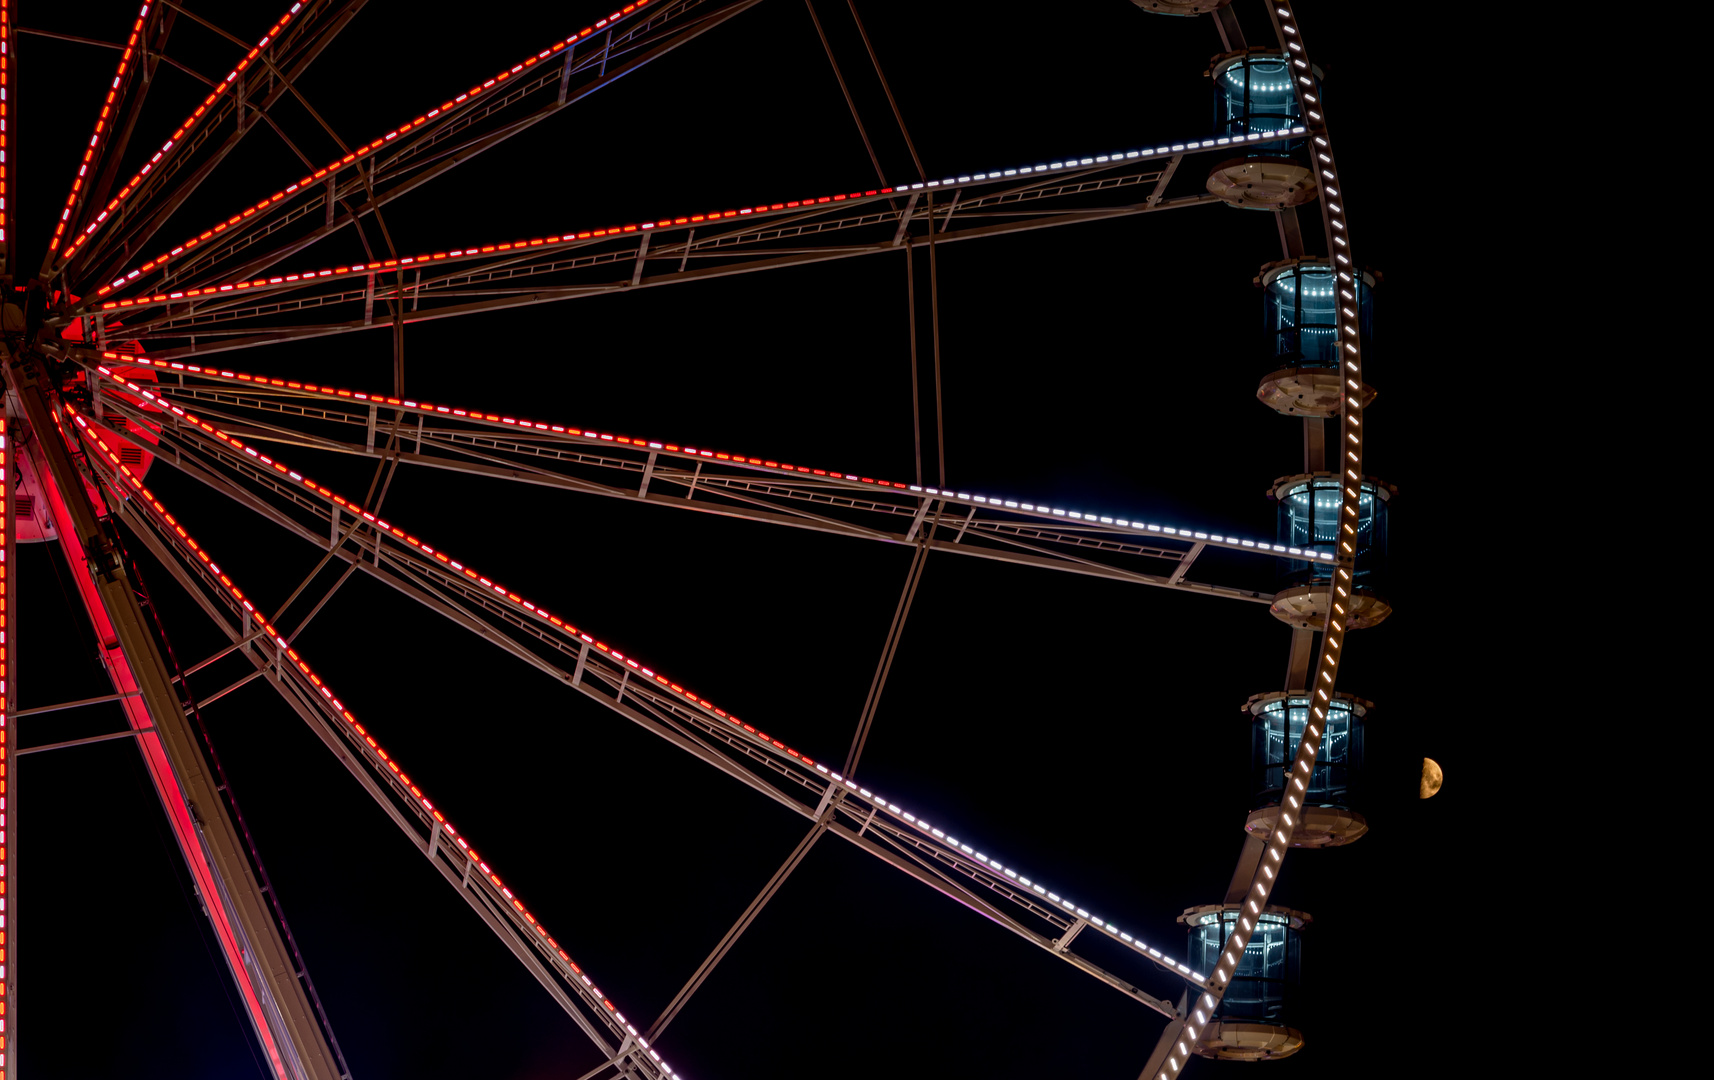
{"x": 190, "y": 121}
{"x": 6, "y": 542}
{"x": 1350, "y": 457}
{"x": 5, "y": 150}
{"x": 779, "y": 749}
{"x": 496, "y": 420}
{"x": 287, "y": 282}
{"x": 365, "y": 150}
{"x": 355, "y": 733}
{"x": 114, "y": 91}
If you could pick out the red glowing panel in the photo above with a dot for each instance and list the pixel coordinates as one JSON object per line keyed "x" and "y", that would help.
{"x": 296, "y": 280}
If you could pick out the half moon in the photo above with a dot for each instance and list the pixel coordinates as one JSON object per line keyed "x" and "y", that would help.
{"x": 1432, "y": 777}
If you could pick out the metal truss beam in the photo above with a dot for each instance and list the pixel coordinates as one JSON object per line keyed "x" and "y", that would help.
{"x": 672, "y": 476}
{"x": 681, "y": 479}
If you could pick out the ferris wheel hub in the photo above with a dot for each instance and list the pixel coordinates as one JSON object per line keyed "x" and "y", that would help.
{"x": 1262, "y": 183}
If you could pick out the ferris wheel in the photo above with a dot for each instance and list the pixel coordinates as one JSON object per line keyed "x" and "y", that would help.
{"x": 124, "y": 360}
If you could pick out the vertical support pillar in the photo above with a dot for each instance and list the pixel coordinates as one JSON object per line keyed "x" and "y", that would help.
{"x": 1297, "y": 667}
{"x": 1314, "y": 445}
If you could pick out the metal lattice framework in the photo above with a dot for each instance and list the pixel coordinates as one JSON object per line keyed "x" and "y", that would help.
{"x": 120, "y": 347}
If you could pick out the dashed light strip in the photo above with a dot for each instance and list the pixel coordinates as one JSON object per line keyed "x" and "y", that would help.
{"x": 76, "y": 194}
{"x": 533, "y": 611}
{"x": 190, "y": 121}
{"x": 360, "y": 736}
{"x": 333, "y": 167}
{"x": 5, "y": 167}
{"x": 992, "y": 501}
{"x": 297, "y": 280}
{"x": 1333, "y": 631}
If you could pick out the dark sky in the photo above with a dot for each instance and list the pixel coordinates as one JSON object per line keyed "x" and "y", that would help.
{"x": 1086, "y": 731}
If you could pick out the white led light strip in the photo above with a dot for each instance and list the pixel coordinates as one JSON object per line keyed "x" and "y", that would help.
{"x": 5, "y": 153}
{"x": 381, "y": 762}
{"x": 474, "y": 93}
{"x": 1350, "y": 457}
{"x": 445, "y": 564}
{"x": 1220, "y": 540}
{"x": 281, "y": 282}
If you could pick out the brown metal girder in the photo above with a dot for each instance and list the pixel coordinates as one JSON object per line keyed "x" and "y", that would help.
{"x": 816, "y": 523}
{"x": 1041, "y": 557}
{"x": 545, "y": 296}
{"x": 716, "y": 245}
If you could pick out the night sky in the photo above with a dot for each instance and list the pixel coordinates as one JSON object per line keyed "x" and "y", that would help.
{"x": 1088, "y": 732}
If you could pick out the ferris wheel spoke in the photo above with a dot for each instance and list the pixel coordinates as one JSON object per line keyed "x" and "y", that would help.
{"x": 711, "y": 482}
{"x": 190, "y": 327}
{"x": 8, "y": 160}
{"x": 123, "y": 220}
{"x": 379, "y": 774}
{"x": 621, "y": 683}
{"x": 582, "y": 263}
{"x": 119, "y": 111}
{"x": 418, "y": 151}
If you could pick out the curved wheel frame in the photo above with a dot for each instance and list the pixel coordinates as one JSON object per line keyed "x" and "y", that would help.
{"x": 138, "y": 339}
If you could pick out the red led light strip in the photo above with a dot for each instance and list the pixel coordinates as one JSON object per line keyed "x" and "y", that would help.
{"x": 533, "y": 611}
{"x": 357, "y": 733}
{"x": 74, "y": 196}
{"x": 1230, "y": 542}
{"x": 369, "y": 148}
{"x": 190, "y": 121}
